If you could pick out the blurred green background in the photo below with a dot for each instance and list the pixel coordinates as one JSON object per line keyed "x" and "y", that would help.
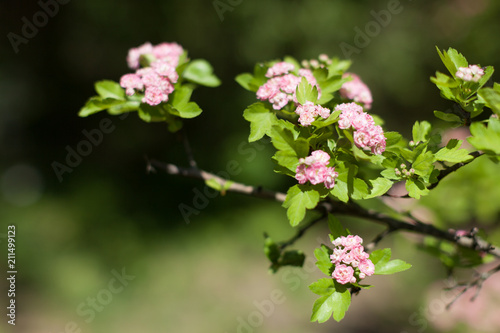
{"x": 108, "y": 214}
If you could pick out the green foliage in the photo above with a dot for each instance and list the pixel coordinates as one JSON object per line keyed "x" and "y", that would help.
{"x": 486, "y": 138}
{"x": 299, "y": 198}
{"x": 112, "y": 97}
{"x": 306, "y": 92}
{"x": 335, "y": 300}
{"x": 278, "y": 258}
{"x": 383, "y": 264}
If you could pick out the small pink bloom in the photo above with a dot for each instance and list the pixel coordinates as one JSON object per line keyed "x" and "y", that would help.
{"x": 351, "y": 241}
{"x": 472, "y": 73}
{"x": 135, "y": 53}
{"x": 267, "y": 91}
{"x": 300, "y": 174}
{"x": 154, "y": 96}
{"x": 356, "y": 90}
{"x": 280, "y": 68}
{"x": 131, "y": 82}
{"x": 366, "y": 266}
{"x": 343, "y": 274}
{"x": 279, "y": 101}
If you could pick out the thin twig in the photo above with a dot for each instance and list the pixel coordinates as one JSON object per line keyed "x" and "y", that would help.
{"x": 476, "y": 283}
{"x": 371, "y": 246}
{"x": 187, "y": 148}
{"x": 301, "y": 232}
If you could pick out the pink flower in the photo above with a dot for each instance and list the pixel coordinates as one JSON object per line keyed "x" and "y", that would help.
{"x": 344, "y": 274}
{"x": 356, "y": 90}
{"x": 169, "y": 52}
{"x": 472, "y": 73}
{"x": 164, "y": 68}
{"x": 359, "y": 253}
{"x": 350, "y": 242}
{"x": 280, "y": 68}
{"x": 309, "y": 111}
{"x": 154, "y": 96}
{"x": 134, "y": 54}
{"x": 366, "y": 267}
{"x": 131, "y": 82}
{"x": 367, "y": 135}
{"x": 314, "y": 169}
{"x": 337, "y": 256}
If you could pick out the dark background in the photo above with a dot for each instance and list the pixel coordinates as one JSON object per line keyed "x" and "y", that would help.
{"x": 108, "y": 213}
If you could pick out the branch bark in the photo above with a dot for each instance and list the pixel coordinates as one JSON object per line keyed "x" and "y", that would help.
{"x": 334, "y": 207}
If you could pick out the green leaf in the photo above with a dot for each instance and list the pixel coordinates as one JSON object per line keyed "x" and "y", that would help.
{"x": 320, "y": 122}
{"x": 421, "y": 131}
{"x": 485, "y": 138}
{"x": 150, "y": 113}
{"x": 449, "y": 117}
{"x": 109, "y": 89}
{"x": 492, "y": 98}
{"x": 335, "y": 300}
{"x": 293, "y": 258}
{"x": 306, "y": 92}
{"x": 298, "y": 199}
{"x": 416, "y": 188}
{"x": 127, "y": 106}
{"x": 452, "y": 60}
{"x": 383, "y": 264}
{"x": 283, "y": 139}
{"x": 181, "y": 105}
{"x": 336, "y": 228}
{"x": 423, "y": 164}
{"x": 452, "y": 153}
{"x": 341, "y": 190}
{"x": 392, "y": 138}
{"x": 244, "y": 80}
{"x": 379, "y": 187}
{"x": 324, "y": 263}
{"x": 96, "y": 104}
{"x": 261, "y": 121}
{"x": 271, "y": 249}
{"x": 200, "y": 71}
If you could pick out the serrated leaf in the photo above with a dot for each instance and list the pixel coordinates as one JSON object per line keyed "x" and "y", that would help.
{"x": 392, "y": 138}
{"x": 320, "y": 122}
{"x": 261, "y": 121}
{"x": 421, "y": 131}
{"x": 423, "y": 164}
{"x": 379, "y": 187}
{"x": 306, "y": 92}
{"x": 324, "y": 262}
{"x": 109, "y": 89}
{"x": 298, "y": 200}
{"x": 335, "y": 300}
{"x": 416, "y": 188}
{"x": 485, "y": 138}
{"x": 200, "y": 71}
{"x": 452, "y": 59}
{"x": 341, "y": 190}
{"x": 283, "y": 139}
{"x": 452, "y": 153}
{"x": 492, "y": 99}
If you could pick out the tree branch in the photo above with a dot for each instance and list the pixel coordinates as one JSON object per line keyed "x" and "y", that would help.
{"x": 336, "y": 207}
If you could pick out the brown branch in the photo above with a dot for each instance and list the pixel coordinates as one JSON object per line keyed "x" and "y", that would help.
{"x": 335, "y": 207}
{"x": 301, "y": 232}
{"x": 454, "y": 168}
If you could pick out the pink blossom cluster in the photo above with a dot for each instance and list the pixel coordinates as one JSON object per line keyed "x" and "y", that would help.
{"x": 159, "y": 78}
{"x": 367, "y": 135}
{"x": 471, "y": 73}
{"x": 314, "y": 169}
{"x": 356, "y": 90}
{"x": 281, "y": 86}
{"x": 309, "y": 111}
{"x": 350, "y": 260}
